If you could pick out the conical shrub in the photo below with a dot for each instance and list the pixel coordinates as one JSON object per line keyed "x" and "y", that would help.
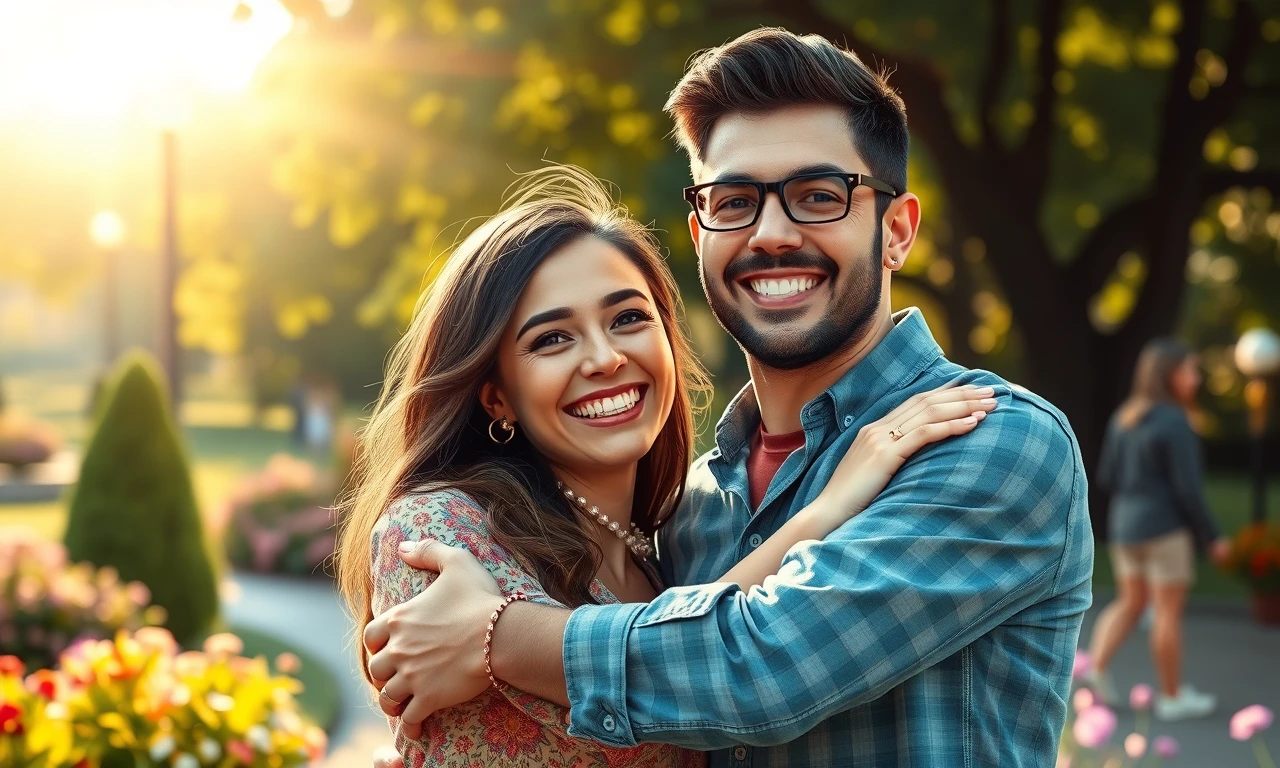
{"x": 134, "y": 508}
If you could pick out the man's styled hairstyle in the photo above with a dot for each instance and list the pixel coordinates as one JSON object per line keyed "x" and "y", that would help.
{"x": 770, "y": 68}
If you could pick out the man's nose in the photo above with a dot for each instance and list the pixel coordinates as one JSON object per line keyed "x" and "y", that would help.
{"x": 774, "y": 232}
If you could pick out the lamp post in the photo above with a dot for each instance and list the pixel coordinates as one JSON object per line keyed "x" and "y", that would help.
{"x": 106, "y": 229}
{"x": 1258, "y": 358}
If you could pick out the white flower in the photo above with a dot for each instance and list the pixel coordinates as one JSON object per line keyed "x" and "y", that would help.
{"x": 162, "y": 748}
{"x": 259, "y": 738}
{"x": 185, "y": 760}
{"x": 210, "y": 750}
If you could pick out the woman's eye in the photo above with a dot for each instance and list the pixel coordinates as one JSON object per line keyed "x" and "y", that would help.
{"x": 549, "y": 339}
{"x": 631, "y": 317}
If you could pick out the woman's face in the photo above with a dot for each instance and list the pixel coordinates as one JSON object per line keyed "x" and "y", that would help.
{"x": 1185, "y": 380}
{"x": 584, "y": 365}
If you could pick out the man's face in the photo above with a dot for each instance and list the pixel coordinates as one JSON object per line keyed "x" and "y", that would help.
{"x": 790, "y": 294}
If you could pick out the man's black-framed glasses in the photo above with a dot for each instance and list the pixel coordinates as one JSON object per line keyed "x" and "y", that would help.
{"x": 807, "y": 198}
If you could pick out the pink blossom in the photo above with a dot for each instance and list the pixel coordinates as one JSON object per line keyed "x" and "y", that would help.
{"x": 1082, "y": 665}
{"x": 1140, "y": 696}
{"x": 1135, "y": 745}
{"x": 1248, "y": 721}
{"x": 1082, "y": 699}
{"x": 1094, "y": 726}
{"x": 1165, "y": 746}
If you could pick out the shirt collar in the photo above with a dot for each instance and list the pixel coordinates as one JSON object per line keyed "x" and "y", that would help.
{"x": 900, "y": 356}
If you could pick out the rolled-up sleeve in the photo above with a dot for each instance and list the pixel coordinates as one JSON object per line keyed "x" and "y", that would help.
{"x": 971, "y": 531}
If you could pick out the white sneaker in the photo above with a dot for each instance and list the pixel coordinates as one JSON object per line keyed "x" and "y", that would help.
{"x": 1103, "y": 687}
{"x": 1189, "y": 703}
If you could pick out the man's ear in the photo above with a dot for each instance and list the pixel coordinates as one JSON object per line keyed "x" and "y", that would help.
{"x": 494, "y": 402}
{"x": 695, "y": 229}
{"x": 901, "y": 223}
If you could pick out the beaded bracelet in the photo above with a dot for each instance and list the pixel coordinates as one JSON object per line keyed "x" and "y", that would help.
{"x": 488, "y": 635}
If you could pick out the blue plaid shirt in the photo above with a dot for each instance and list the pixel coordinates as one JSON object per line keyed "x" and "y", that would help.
{"x": 937, "y": 628}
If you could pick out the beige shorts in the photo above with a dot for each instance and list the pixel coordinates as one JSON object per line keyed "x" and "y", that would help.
{"x": 1167, "y": 559}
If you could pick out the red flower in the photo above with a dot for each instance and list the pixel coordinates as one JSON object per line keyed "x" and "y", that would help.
{"x": 11, "y": 719}
{"x": 509, "y": 731}
{"x": 1259, "y": 565}
{"x": 44, "y": 682}
{"x": 11, "y": 666}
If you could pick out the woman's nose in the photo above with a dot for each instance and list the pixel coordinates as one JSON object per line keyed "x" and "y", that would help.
{"x": 603, "y": 358}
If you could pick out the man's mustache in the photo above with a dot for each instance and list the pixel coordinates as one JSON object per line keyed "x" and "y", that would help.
{"x": 759, "y": 262}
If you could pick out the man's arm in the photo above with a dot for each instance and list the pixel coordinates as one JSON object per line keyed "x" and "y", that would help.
{"x": 968, "y": 534}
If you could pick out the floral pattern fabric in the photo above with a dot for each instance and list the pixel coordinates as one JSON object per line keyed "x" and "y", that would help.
{"x": 508, "y": 728}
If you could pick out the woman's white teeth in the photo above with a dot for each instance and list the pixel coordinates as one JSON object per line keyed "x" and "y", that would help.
{"x": 607, "y": 406}
{"x": 783, "y": 287}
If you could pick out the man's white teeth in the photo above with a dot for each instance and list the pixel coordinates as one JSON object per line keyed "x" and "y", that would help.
{"x": 607, "y": 406}
{"x": 783, "y": 287}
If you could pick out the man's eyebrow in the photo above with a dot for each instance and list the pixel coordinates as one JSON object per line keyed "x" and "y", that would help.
{"x": 815, "y": 168}
{"x": 550, "y": 316}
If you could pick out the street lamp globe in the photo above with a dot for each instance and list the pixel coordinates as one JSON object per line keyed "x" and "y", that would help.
{"x": 106, "y": 228}
{"x": 1258, "y": 353}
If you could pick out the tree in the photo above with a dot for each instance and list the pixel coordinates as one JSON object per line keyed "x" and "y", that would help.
{"x": 134, "y": 508}
{"x": 1071, "y": 155}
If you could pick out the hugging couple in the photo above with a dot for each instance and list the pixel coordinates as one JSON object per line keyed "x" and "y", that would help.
{"x": 884, "y": 560}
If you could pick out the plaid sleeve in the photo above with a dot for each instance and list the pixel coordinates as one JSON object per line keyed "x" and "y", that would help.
{"x": 971, "y": 531}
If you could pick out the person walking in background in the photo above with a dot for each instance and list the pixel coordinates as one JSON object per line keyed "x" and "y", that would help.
{"x": 1152, "y": 468}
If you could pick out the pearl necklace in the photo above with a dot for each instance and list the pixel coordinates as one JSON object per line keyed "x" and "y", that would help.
{"x": 636, "y": 540}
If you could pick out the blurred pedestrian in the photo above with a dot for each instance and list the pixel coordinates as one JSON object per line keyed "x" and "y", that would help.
{"x": 1153, "y": 469}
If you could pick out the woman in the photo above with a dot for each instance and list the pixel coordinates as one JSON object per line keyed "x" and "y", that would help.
{"x": 1151, "y": 466}
{"x": 539, "y": 412}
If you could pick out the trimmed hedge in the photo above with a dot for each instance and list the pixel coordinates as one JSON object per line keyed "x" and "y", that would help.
{"x": 134, "y": 507}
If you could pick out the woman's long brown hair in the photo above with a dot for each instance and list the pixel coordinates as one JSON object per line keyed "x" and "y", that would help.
{"x": 1152, "y": 377}
{"x": 428, "y": 430}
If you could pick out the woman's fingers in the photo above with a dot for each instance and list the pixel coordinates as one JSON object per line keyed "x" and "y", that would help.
{"x": 923, "y": 400}
{"x": 937, "y": 413}
{"x": 934, "y": 431}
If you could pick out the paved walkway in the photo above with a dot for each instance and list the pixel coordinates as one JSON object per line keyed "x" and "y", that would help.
{"x": 1226, "y": 653}
{"x": 309, "y": 614}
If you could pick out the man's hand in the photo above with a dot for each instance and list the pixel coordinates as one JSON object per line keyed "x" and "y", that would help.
{"x": 387, "y": 757}
{"x": 427, "y": 653}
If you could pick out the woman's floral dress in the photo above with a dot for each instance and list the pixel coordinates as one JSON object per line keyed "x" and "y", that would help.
{"x": 508, "y": 728}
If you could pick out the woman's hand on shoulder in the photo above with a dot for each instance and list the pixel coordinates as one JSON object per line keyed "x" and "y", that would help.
{"x": 883, "y": 446}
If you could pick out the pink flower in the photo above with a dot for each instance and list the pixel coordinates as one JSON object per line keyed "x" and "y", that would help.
{"x": 1140, "y": 696}
{"x": 1082, "y": 699}
{"x": 1135, "y": 745}
{"x": 1094, "y": 726}
{"x": 1248, "y": 721}
{"x": 1082, "y": 665}
{"x": 1165, "y": 746}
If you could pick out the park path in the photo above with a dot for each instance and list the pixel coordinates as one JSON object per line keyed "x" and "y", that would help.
{"x": 1226, "y": 653}
{"x": 309, "y": 614}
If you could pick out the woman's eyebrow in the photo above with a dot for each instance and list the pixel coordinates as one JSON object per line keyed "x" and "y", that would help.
{"x": 551, "y": 315}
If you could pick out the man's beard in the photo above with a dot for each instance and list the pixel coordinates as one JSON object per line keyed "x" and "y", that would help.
{"x": 851, "y": 312}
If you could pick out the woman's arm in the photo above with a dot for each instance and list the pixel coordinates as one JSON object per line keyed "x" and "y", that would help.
{"x": 866, "y": 469}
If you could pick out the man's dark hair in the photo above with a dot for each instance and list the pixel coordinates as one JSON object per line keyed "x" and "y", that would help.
{"x": 770, "y": 68}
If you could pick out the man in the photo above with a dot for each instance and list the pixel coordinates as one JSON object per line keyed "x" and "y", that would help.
{"x": 937, "y": 627}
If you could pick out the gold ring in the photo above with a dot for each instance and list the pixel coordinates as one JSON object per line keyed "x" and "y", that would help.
{"x": 383, "y": 694}
{"x": 895, "y": 434}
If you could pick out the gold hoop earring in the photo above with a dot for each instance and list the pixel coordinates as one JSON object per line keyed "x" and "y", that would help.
{"x": 507, "y": 427}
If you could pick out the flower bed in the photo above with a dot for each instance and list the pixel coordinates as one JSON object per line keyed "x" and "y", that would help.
{"x": 24, "y": 441}
{"x": 280, "y": 521}
{"x": 46, "y": 604}
{"x": 136, "y": 700}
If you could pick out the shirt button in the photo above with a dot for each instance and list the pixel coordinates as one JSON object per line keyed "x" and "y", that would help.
{"x": 755, "y": 540}
{"x": 848, "y": 421}
{"x": 608, "y": 723}
{"x": 739, "y": 753}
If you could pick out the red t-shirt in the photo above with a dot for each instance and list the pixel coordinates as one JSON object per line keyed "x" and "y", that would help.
{"x": 767, "y": 454}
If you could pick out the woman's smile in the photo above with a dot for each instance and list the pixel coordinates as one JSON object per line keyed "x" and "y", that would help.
{"x": 609, "y": 407}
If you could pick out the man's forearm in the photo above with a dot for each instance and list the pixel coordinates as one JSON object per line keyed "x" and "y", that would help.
{"x": 528, "y": 650}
